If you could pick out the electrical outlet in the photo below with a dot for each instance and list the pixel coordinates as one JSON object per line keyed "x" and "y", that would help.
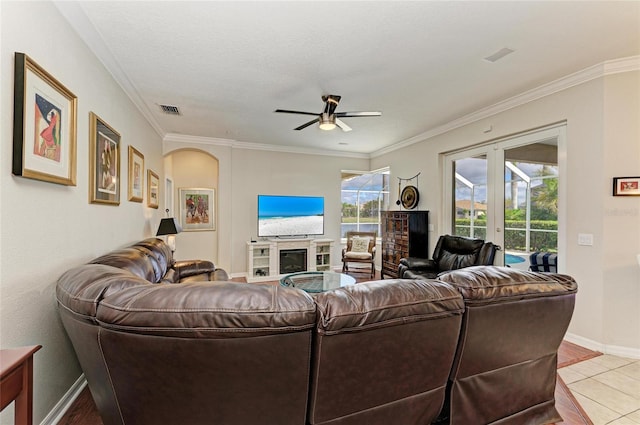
{"x": 585, "y": 239}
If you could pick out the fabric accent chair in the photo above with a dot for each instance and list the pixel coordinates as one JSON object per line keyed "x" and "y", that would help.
{"x": 451, "y": 253}
{"x": 361, "y": 248}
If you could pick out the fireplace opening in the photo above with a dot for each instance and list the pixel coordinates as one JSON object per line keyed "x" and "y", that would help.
{"x": 293, "y": 261}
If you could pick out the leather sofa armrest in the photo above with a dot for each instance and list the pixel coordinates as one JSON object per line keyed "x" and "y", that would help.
{"x": 188, "y": 268}
{"x": 415, "y": 263}
{"x": 487, "y": 254}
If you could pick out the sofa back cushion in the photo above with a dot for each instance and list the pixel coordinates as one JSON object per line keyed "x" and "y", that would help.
{"x": 513, "y": 325}
{"x": 149, "y": 259}
{"x": 160, "y": 252}
{"x": 134, "y": 260}
{"x": 232, "y": 353}
{"x": 82, "y": 288}
{"x": 383, "y": 352}
{"x": 456, "y": 252}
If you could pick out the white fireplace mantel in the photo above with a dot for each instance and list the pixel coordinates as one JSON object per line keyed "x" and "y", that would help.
{"x": 263, "y": 257}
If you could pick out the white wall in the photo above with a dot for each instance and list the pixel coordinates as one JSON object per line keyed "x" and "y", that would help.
{"x": 47, "y": 228}
{"x": 602, "y": 142}
{"x": 245, "y": 173}
{"x": 195, "y": 170}
{"x": 621, "y": 215}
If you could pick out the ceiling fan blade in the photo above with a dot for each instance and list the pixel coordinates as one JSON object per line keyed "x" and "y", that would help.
{"x": 307, "y": 124}
{"x": 342, "y": 125}
{"x": 286, "y": 111}
{"x": 359, "y": 114}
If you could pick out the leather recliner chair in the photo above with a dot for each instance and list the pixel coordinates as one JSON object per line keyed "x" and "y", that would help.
{"x": 382, "y": 352}
{"x": 451, "y": 253}
{"x": 505, "y": 367}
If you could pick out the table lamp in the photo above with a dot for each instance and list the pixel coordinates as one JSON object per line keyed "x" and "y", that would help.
{"x": 170, "y": 227}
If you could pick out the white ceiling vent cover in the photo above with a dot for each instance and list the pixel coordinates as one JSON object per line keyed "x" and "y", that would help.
{"x": 170, "y": 109}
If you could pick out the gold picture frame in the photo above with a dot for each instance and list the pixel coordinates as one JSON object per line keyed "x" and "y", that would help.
{"x": 197, "y": 209}
{"x": 44, "y": 125}
{"x": 153, "y": 189}
{"x": 136, "y": 175}
{"x": 104, "y": 162}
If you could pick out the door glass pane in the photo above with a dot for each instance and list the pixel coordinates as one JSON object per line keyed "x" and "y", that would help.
{"x": 531, "y": 202}
{"x": 470, "y": 197}
{"x": 363, "y": 195}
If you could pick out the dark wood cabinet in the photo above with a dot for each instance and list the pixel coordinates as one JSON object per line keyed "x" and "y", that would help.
{"x": 404, "y": 234}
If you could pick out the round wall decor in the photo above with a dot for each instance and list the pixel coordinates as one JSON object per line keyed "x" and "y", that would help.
{"x": 410, "y": 197}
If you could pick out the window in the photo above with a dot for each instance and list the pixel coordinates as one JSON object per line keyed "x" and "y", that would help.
{"x": 364, "y": 195}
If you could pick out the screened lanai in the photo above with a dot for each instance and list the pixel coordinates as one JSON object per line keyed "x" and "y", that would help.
{"x": 530, "y": 201}
{"x": 364, "y": 195}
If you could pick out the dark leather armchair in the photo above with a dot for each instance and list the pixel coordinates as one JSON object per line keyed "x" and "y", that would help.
{"x": 451, "y": 253}
{"x": 506, "y": 363}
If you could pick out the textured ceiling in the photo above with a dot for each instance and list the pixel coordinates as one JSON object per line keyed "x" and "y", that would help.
{"x": 229, "y": 65}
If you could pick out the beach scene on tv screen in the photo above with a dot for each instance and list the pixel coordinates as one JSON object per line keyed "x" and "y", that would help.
{"x": 289, "y": 216}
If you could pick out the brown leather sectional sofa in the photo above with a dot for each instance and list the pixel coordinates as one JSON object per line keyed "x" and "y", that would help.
{"x": 481, "y": 341}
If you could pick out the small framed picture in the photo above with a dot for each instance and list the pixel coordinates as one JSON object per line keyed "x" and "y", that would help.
{"x": 136, "y": 176}
{"x": 197, "y": 209}
{"x": 626, "y": 186}
{"x": 104, "y": 162}
{"x": 153, "y": 189}
{"x": 44, "y": 130}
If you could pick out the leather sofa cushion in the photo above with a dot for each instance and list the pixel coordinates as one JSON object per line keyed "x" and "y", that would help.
{"x": 137, "y": 261}
{"x": 490, "y": 284}
{"x": 82, "y": 288}
{"x": 419, "y": 274}
{"x": 211, "y": 309}
{"x": 453, "y": 261}
{"x": 457, "y": 252}
{"x": 395, "y": 300}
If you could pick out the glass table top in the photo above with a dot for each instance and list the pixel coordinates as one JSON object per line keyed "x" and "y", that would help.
{"x": 315, "y": 282}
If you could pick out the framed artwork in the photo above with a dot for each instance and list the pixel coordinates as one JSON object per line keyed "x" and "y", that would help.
{"x": 197, "y": 209}
{"x": 44, "y": 125}
{"x": 626, "y": 186}
{"x": 153, "y": 189}
{"x": 104, "y": 162}
{"x": 136, "y": 175}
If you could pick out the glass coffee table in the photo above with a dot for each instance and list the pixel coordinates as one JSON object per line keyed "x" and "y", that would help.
{"x": 315, "y": 282}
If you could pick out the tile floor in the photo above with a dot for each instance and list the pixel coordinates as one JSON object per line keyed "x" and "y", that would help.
{"x": 607, "y": 387}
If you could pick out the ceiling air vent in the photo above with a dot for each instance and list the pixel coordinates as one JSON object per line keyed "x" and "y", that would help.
{"x": 170, "y": 109}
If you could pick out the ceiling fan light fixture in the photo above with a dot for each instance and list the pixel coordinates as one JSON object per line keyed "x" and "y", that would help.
{"x": 327, "y": 122}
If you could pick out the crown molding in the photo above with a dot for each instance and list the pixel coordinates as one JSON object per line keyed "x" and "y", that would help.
{"x": 596, "y": 71}
{"x": 78, "y": 20}
{"x": 234, "y": 144}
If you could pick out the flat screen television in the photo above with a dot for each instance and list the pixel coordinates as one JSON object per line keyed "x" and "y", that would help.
{"x": 290, "y": 215}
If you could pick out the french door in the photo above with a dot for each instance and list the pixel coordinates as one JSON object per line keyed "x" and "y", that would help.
{"x": 509, "y": 192}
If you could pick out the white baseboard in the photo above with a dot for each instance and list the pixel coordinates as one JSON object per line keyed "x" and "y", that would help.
{"x": 65, "y": 402}
{"x": 615, "y": 350}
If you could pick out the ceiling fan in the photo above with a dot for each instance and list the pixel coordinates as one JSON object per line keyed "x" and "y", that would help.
{"x": 329, "y": 118}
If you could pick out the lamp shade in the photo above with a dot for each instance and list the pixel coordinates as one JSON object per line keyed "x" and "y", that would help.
{"x": 168, "y": 226}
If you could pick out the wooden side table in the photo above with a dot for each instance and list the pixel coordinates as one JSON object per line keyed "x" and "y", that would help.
{"x": 16, "y": 382}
